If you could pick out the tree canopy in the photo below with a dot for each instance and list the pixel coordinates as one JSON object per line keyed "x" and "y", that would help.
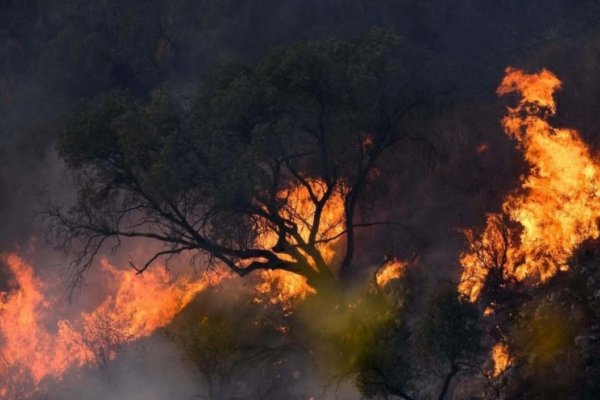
{"x": 245, "y": 168}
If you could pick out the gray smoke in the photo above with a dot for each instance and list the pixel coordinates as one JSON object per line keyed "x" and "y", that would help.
{"x": 56, "y": 54}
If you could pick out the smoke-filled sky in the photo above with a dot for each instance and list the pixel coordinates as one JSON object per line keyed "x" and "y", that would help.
{"x": 56, "y": 54}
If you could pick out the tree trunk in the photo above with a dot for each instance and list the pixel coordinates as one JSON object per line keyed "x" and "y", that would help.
{"x": 324, "y": 284}
{"x": 453, "y": 371}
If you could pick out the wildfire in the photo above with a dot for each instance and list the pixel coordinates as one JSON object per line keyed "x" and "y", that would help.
{"x": 556, "y": 207}
{"x": 28, "y": 349}
{"x": 500, "y": 358}
{"x": 283, "y": 288}
{"x": 140, "y": 306}
{"x": 300, "y": 209}
{"x": 392, "y": 269}
{"x": 31, "y": 352}
{"x": 286, "y": 288}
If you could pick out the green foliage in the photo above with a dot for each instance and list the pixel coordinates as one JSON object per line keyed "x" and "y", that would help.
{"x": 202, "y": 172}
{"x": 554, "y": 335}
{"x": 545, "y": 351}
{"x": 242, "y": 119}
{"x": 383, "y": 362}
{"x": 362, "y": 335}
{"x": 450, "y": 332}
{"x": 92, "y": 135}
{"x": 236, "y": 347}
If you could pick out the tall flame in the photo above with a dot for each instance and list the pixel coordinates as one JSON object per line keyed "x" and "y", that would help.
{"x": 557, "y": 206}
{"x": 30, "y": 352}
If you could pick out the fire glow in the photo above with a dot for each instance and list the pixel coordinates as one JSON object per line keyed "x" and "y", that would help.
{"x": 301, "y": 210}
{"x": 283, "y": 288}
{"x": 500, "y": 358}
{"x": 557, "y": 205}
{"x": 392, "y": 269}
{"x": 137, "y": 307}
{"x": 31, "y": 353}
{"x": 286, "y": 288}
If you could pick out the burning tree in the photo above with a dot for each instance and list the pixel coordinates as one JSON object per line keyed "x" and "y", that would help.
{"x": 264, "y": 167}
{"x": 556, "y": 208}
{"x": 531, "y": 243}
{"x": 490, "y": 256}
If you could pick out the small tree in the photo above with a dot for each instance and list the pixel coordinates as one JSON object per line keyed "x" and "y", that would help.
{"x": 450, "y": 336}
{"x": 239, "y": 349}
{"x": 371, "y": 341}
{"x": 383, "y": 363}
{"x": 489, "y": 265}
{"x": 214, "y": 173}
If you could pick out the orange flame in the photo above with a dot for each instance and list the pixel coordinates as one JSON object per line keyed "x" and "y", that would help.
{"x": 286, "y": 288}
{"x": 28, "y": 349}
{"x": 392, "y": 269}
{"x": 31, "y": 352}
{"x": 500, "y": 358}
{"x": 145, "y": 303}
{"x": 283, "y": 288}
{"x": 300, "y": 209}
{"x": 557, "y": 206}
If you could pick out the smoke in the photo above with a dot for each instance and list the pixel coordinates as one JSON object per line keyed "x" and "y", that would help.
{"x": 56, "y": 54}
{"x": 150, "y": 369}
